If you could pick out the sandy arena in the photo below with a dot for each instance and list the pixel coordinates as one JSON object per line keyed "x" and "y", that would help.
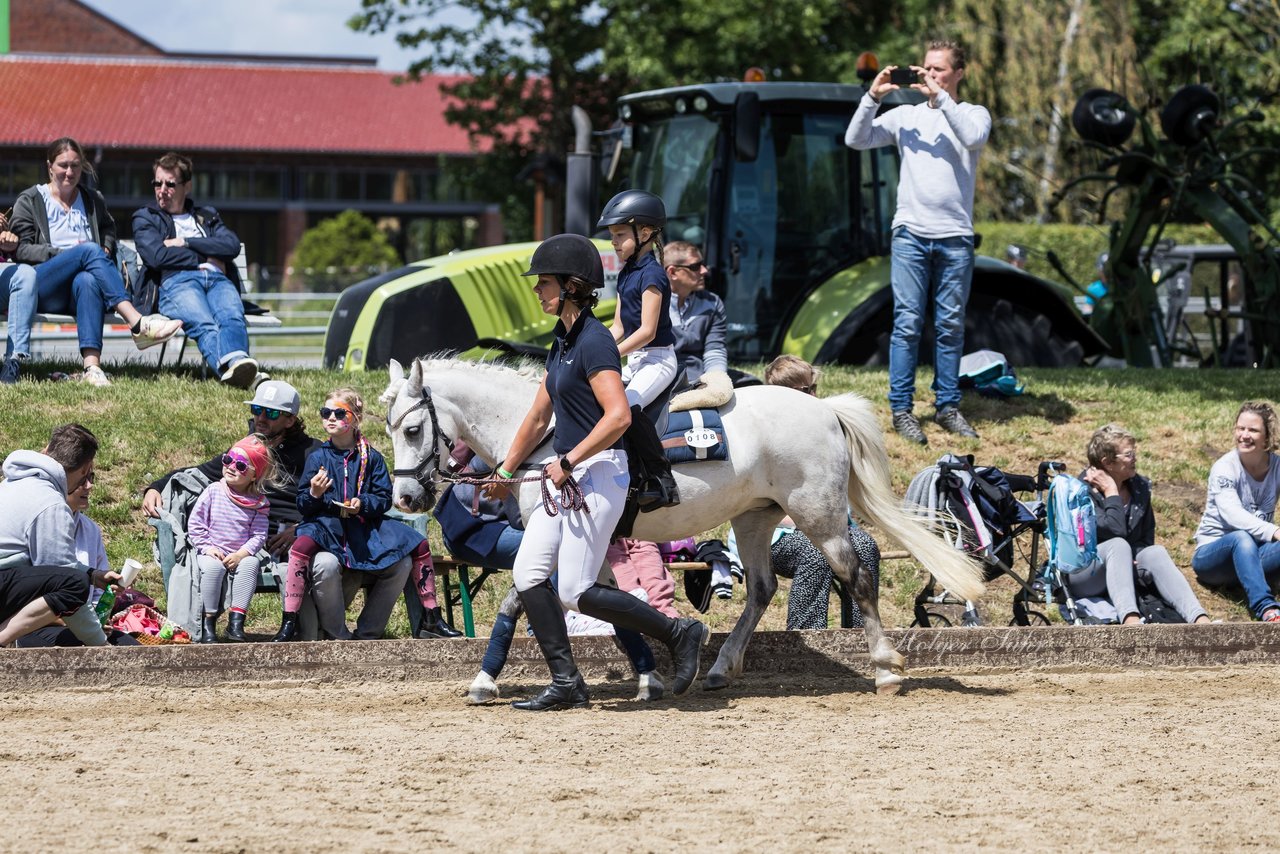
{"x": 1162, "y": 759}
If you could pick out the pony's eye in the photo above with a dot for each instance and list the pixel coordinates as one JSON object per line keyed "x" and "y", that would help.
{"x": 412, "y": 432}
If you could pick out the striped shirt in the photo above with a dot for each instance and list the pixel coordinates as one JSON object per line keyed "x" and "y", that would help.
{"x": 218, "y": 522}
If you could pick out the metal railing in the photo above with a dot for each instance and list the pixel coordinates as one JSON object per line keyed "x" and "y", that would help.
{"x": 298, "y": 341}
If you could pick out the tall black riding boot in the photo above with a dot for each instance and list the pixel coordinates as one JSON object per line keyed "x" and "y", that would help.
{"x": 235, "y": 628}
{"x": 288, "y": 627}
{"x": 434, "y": 625}
{"x": 546, "y": 618}
{"x": 658, "y": 487}
{"x": 685, "y": 637}
{"x": 209, "y": 629}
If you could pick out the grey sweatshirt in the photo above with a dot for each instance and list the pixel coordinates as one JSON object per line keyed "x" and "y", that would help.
{"x": 940, "y": 147}
{"x": 35, "y": 519}
{"x": 1237, "y": 502}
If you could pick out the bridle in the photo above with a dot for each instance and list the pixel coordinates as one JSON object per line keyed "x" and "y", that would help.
{"x": 428, "y": 472}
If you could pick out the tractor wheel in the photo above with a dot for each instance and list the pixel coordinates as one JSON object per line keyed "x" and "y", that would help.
{"x": 1023, "y": 335}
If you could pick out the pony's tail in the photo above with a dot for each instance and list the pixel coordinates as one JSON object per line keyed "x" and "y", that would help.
{"x": 871, "y": 496}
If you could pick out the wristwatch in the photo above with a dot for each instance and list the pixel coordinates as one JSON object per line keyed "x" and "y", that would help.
{"x": 565, "y": 465}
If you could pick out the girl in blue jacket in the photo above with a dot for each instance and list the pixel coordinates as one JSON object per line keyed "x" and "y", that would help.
{"x": 344, "y": 493}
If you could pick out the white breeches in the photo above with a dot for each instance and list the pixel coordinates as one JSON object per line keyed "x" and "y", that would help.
{"x": 648, "y": 372}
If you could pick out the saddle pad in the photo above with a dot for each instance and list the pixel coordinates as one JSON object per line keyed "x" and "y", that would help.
{"x": 695, "y": 435}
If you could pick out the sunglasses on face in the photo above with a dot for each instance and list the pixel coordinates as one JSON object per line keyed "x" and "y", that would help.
{"x": 338, "y": 413}
{"x": 693, "y": 267}
{"x": 84, "y": 481}
{"x": 172, "y": 185}
{"x": 239, "y": 464}
{"x": 272, "y": 414}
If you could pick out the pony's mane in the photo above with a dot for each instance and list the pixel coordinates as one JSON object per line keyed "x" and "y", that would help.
{"x": 526, "y": 369}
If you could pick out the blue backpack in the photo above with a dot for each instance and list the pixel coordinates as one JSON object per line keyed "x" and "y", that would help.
{"x": 1072, "y": 526}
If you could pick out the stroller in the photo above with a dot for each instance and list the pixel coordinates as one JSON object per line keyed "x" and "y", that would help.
{"x": 979, "y": 512}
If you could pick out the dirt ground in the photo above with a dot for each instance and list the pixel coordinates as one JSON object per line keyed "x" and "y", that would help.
{"x": 1040, "y": 761}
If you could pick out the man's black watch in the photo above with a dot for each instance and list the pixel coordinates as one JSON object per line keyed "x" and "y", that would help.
{"x": 565, "y": 465}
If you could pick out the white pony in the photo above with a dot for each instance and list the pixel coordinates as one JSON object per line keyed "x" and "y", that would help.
{"x": 789, "y": 454}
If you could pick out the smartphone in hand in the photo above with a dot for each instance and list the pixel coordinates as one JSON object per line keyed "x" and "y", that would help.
{"x": 903, "y": 76}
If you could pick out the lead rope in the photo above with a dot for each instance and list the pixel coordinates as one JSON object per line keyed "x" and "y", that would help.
{"x": 571, "y": 495}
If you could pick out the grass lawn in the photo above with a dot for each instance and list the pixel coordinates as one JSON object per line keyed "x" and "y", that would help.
{"x": 149, "y": 424}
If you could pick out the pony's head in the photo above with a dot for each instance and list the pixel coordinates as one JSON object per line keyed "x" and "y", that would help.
{"x": 421, "y": 438}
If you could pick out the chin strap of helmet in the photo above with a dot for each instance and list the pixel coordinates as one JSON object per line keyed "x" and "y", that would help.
{"x": 564, "y": 295}
{"x": 635, "y": 237}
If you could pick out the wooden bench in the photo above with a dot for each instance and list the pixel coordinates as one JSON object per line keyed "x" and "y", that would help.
{"x": 251, "y": 320}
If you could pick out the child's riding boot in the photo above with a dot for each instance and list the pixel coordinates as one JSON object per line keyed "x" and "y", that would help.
{"x": 433, "y": 625}
{"x": 288, "y": 627}
{"x": 209, "y": 628}
{"x": 235, "y": 627}
{"x": 658, "y": 486}
{"x": 567, "y": 689}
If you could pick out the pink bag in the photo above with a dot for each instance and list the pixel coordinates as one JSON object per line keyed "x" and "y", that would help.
{"x": 145, "y": 623}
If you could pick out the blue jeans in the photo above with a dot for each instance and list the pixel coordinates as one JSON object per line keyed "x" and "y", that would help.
{"x": 1238, "y": 558}
{"x": 501, "y": 556}
{"x": 82, "y": 281}
{"x": 18, "y": 293}
{"x": 924, "y": 266}
{"x": 209, "y": 306}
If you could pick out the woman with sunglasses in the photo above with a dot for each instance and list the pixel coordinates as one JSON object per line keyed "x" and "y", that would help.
{"x": 583, "y": 391}
{"x": 1127, "y": 533}
{"x": 344, "y": 493}
{"x": 66, "y": 233}
{"x": 227, "y": 528}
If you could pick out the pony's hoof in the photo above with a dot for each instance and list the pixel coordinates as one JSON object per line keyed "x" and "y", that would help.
{"x": 483, "y": 690}
{"x": 651, "y": 687}
{"x": 715, "y": 681}
{"x": 888, "y": 682}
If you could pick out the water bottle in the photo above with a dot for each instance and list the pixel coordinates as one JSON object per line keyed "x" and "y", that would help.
{"x": 105, "y": 601}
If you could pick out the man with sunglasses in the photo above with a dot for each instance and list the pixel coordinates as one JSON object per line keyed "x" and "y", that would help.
{"x": 274, "y": 414}
{"x": 41, "y": 579}
{"x": 193, "y": 254}
{"x": 698, "y": 318}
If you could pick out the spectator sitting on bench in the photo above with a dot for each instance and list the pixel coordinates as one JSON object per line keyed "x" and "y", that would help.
{"x": 486, "y": 532}
{"x": 66, "y": 233}
{"x": 347, "y": 540}
{"x": 41, "y": 579}
{"x": 17, "y": 284}
{"x": 274, "y": 415}
{"x": 193, "y": 254}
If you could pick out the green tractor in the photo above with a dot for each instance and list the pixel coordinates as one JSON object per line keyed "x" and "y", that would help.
{"x": 794, "y": 225}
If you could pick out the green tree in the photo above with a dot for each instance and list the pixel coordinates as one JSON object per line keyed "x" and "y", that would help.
{"x": 342, "y": 250}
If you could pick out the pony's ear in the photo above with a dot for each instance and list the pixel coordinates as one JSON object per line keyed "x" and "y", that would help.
{"x": 395, "y": 372}
{"x": 414, "y": 382}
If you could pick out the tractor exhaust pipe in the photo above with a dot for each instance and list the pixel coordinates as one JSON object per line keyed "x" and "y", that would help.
{"x": 579, "y": 177}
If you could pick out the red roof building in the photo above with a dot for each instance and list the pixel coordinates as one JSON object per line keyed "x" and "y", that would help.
{"x": 278, "y": 143}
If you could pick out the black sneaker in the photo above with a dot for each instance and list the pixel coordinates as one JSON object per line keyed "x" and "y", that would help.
{"x": 9, "y": 373}
{"x": 950, "y": 419}
{"x": 908, "y": 427}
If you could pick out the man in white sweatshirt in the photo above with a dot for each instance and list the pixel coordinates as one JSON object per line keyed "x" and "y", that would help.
{"x": 40, "y": 578}
{"x": 939, "y": 142}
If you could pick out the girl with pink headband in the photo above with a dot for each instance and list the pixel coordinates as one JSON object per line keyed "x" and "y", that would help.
{"x": 227, "y": 528}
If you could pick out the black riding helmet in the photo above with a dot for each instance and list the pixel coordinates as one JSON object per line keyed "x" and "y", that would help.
{"x": 565, "y": 256}
{"x": 635, "y": 208}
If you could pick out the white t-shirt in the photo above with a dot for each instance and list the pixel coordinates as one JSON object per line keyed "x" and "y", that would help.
{"x": 187, "y": 228}
{"x": 1237, "y": 502}
{"x": 67, "y": 228}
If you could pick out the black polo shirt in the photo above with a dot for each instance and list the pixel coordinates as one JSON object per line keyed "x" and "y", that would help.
{"x": 588, "y": 347}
